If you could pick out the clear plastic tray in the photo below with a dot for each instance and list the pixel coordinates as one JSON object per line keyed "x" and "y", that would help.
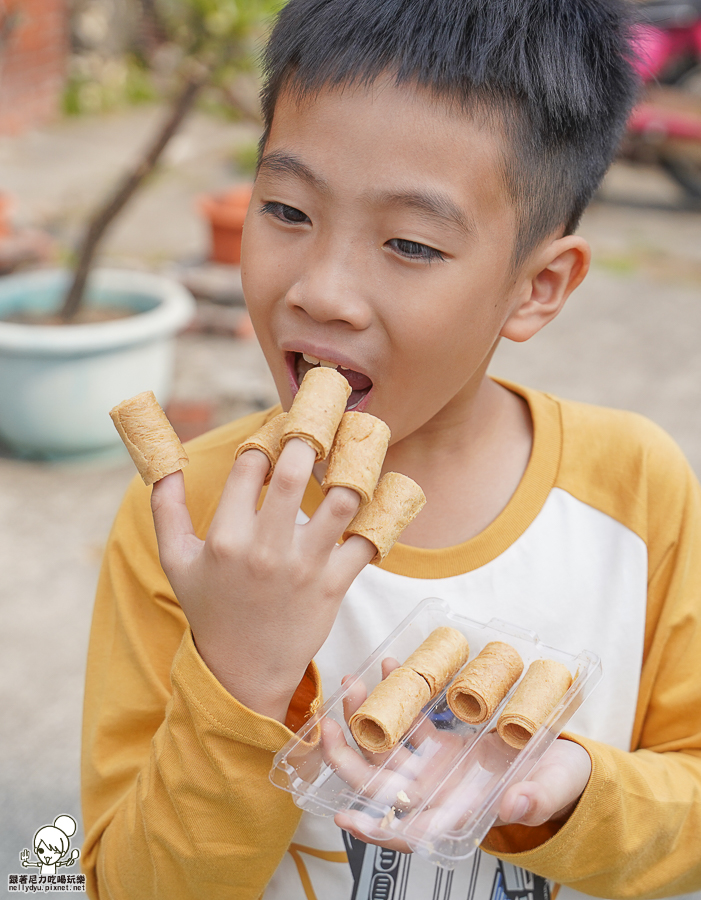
{"x": 452, "y": 774}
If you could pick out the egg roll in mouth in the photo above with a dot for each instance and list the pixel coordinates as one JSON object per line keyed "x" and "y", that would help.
{"x": 360, "y": 384}
{"x": 317, "y": 410}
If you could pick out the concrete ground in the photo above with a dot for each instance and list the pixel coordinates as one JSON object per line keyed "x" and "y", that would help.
{"x": 628, "y": 338}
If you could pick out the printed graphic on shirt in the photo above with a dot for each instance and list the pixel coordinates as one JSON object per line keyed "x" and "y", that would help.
{"x": 51, "y": 846}
{"x": 383, "y": 874}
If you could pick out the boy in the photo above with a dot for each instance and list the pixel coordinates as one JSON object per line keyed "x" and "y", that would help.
{"x": 423, "y": 167}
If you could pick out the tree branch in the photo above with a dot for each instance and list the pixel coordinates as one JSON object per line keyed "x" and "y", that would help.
{"x": 104, "y": 216}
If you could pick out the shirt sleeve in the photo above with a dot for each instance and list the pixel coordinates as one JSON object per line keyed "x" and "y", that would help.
{"x": 177, "y": 802}
{"x": 635, "y": 831}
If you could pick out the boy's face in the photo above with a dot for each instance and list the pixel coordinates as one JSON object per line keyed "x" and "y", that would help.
{"x": 379, "y": 237}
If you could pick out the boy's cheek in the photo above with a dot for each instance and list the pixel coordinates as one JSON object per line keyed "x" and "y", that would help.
{"x": 266, "y": 267}
{"x": 249, "y": 248}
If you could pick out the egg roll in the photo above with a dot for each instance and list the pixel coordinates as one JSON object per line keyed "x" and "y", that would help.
{"x": 317, "y": 410}
{"x": 390, "y": 710}
{"x": 543, "y": 686}
{"x": 149, "y": 437}
{"x": 396, "y": 502}
{"x": 482, "y": 685}
{"x": 440, "y": 656}
{"x": 357, "y": 454}
{"x": 267, "y": 440}
{"x": 392, "y": 707}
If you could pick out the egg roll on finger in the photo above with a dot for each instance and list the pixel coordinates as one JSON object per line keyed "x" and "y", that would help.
{"x": 396, "y": 502}
{"x": 149, "y": 437}
{"x": 357, "y": 454}
{"x": 267, "y": 440}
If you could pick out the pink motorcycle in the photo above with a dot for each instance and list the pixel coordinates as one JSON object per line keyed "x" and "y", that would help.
{"x": 665, "y": 127}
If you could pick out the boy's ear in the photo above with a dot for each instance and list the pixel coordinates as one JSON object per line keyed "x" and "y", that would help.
{"x": 545, "y": 284}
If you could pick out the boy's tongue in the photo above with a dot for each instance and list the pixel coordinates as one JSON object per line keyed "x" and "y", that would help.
{"x": 360, "y": 385}
{"x": 356, "y": 380}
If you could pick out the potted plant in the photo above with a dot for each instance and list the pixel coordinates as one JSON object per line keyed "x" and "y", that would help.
{"x": 226, "y": 212}
{"x": 74, "y": 344}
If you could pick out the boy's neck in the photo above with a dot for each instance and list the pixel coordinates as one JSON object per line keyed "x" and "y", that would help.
{"x": 468, "y": 468}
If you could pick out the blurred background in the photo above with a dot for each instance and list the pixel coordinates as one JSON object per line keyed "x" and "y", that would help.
{"x": 128, "y": 133}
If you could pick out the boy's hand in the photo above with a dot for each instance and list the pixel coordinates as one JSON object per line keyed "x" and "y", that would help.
{"x": 551, "y": 790}
{"x": 261, "y": 592}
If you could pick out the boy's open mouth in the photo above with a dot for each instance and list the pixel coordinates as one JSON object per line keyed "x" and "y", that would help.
{"x": 301, "y": 363}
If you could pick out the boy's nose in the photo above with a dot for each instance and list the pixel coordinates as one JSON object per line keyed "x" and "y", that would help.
{"x": 330, "y": 292}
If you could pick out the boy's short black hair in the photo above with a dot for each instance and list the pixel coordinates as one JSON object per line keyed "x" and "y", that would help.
{"x": 555, "y": 75}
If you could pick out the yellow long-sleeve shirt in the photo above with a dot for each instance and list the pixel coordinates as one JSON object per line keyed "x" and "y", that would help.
{"x": 601, "y": 543}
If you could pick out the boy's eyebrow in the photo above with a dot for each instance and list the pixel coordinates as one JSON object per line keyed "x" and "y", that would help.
{"x": 432, "y": 204}
{"x": 279, "y": 163}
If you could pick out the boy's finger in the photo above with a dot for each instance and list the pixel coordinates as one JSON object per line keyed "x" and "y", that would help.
{"x": 552, "y": 789}
{"x": 283, "y": 500}
{"x": 352, "y": 556}
{"x": 330, "y": 520}
{"x": 389, "y": 664}
{"x": 364, "y": 828}
{"x": 171, "y": 518}
{"x": 526, "y": 803}
{"x": 355, "y": 697}
{"x": 346, "y": 763}
{"x": 242, "y": 488}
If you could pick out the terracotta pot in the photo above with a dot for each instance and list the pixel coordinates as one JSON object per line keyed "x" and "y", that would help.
{"x": 6, "y": 206}
{"x": 226, "y": 213}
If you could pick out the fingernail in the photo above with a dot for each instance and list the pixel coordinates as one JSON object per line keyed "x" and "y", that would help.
{"x": 520, "y": 809}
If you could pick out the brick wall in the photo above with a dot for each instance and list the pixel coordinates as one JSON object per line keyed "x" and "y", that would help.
{"x": 33, "y": 57}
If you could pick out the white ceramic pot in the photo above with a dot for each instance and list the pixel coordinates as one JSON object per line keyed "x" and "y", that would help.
{"x": 58, "y": 383}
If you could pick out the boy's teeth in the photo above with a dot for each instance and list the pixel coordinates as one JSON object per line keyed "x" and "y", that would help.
{"x": 319, "y": 362}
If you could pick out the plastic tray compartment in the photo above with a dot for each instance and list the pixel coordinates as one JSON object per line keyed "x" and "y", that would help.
{"x": 440, "y": 788}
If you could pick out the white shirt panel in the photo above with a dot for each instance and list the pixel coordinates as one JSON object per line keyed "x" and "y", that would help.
{"x": 575, "y": 576}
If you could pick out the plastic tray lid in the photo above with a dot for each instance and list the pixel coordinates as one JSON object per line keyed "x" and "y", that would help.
{"x": 452, "y": 813}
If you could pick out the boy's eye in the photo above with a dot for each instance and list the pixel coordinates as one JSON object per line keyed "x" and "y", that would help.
{"x": 284, "y": 212}
{"x": 414, "y": 250}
